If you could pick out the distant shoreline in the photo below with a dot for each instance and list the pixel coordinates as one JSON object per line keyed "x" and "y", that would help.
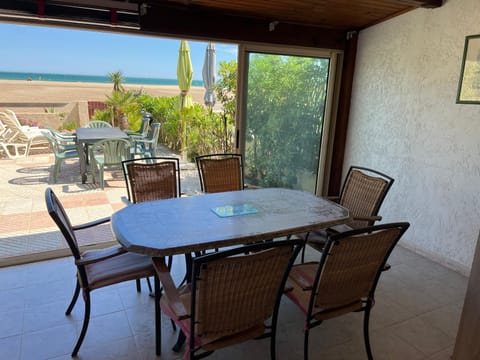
{"x": 39, "y": 91}
{"x": 97, "y": 79}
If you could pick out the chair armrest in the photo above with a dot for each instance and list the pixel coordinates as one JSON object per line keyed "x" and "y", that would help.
{"x": 171, "y": 290}
{"x": 143, "y": 141}
{"x": 91, "y": 224}
{"x": 101, "y": 255}
{"x": 66, "y": 137}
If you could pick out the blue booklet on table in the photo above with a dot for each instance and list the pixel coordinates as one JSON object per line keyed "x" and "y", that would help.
{"x": 234, "y": 210}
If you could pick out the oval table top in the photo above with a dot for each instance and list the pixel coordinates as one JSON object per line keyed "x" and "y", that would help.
{"x": 208, "y": 221}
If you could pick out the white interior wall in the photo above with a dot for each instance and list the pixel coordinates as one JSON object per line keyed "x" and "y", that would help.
{"x": 404, "y": 121}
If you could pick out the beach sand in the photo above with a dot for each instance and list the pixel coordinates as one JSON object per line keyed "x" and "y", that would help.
{"x": 17, "y": 94}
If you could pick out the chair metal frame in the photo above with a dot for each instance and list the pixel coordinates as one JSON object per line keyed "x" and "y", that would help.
{"x": 362, "y": 290}
{"x": 227, "y": 161}
{"x": 114, "y": 257}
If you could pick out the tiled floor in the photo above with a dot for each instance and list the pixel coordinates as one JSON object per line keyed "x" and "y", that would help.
{"x": 418, "y": 305}
{"x": 416, "y": 315}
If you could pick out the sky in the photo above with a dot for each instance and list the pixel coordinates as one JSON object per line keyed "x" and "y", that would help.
{"x": 67, "y": 51}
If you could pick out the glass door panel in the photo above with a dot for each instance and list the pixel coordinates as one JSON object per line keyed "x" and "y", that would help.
{"x": 285, "y": 107}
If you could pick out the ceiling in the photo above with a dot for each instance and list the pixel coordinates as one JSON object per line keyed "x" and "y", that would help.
{"x": 336, "y": 14}
{"x": 307, "y": 22}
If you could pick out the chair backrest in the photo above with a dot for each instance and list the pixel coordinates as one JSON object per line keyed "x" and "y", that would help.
{"x": 114, "y": 151}
{"x": 220, "y": 172}
{"x": 235, "y": 291}
{"x": 54, "y": 146}
{"x": 60, "y": 217}
{"x": 98, "y": 124}
{"x": 7, "y": 134}
{"x": 60, "y": 135}
{"x": 152, "y": 178}
{"x": 363, "y": 193}
{"x": 10, "y": 122}
{"x": 144, "y": 126}
{"x": 153, "y": 133}
{"x": 12, "y": 116}
{"x": 64, "y": 141}
{"x": 350, "y": 267}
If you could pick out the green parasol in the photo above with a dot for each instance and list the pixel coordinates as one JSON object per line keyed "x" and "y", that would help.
{"x": 184, "y": 76}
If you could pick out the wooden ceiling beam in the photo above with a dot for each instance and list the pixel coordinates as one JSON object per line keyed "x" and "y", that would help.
{"x": 206, "y": 24}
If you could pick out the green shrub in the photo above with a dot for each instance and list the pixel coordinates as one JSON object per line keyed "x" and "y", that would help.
{"x": 103, "y": 114}
{"x": 205, "y": 129}
{"x": 68, "y": 126}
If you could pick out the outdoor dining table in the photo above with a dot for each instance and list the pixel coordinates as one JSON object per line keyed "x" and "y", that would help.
{"x": 191, "y": 224}
{"x": 88, "y": 136}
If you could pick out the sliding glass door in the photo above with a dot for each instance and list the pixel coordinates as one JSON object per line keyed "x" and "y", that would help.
{"x": 285, "y": 101}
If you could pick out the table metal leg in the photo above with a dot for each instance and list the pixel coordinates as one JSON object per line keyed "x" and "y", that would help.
{"x": 158, "y": 320}
{"x": 82, "y": 160}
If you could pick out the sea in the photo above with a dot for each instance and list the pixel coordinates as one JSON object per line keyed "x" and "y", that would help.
{"x": 88, "y": 78}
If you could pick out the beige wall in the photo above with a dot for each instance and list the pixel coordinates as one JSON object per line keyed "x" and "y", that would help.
{"x": 404, "y": 121}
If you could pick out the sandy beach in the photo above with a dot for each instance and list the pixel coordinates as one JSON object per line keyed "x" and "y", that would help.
{"x": 23, "y": 93}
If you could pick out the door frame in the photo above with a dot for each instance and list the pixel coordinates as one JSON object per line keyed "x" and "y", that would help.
{"x": 331, "y": 101}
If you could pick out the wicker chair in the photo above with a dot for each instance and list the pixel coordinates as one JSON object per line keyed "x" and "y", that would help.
{"x": 362, "y": 194}
{"x": 232, "y": 296}
{"x": 220, "y": 172}
{"x": 345, "y": 279}
{"x": 95, "y": 268}
{"x": 152, "y": 178}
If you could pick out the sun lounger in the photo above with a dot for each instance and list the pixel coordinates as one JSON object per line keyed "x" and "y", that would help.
{"x": 16, "y": 141}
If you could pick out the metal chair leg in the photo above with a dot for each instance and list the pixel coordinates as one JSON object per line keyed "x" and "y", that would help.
{"x": 74, "y": 299}
{"x": 273, "y": 340}
{"x": 180, "y": 341}
{"x": 139, "y": 286}
{"x": 86, "y": 319}
{"x": 305, "y": 344}
{"x": 366, "y": 318}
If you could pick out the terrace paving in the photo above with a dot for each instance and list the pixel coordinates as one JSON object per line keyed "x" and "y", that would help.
{"x": 25, "y": 226}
